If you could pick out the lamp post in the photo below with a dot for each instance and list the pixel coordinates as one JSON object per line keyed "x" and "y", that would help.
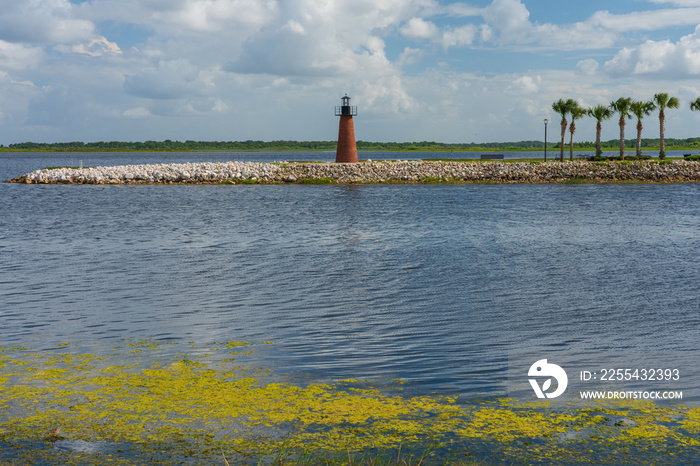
{"x": 545, "y": 139}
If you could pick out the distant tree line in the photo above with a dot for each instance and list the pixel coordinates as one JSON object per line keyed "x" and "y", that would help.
{"x": 169, "y": 145}
{"x": 178, "y": 146}
{"x": 249, "y": 145}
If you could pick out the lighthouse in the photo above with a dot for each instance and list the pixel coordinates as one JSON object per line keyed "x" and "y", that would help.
{"x": 346, "y": 150}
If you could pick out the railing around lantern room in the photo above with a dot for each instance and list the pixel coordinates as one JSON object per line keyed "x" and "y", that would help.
{"x": 346, "y": 110}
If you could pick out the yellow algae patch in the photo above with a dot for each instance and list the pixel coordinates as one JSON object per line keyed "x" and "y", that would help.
{"x": 234, "y": 344}
{"x": 168, "y": 410}
{"x": 692, "y": 421}
{"x": 647, "y": 429}
{"x": 508, "y": 425}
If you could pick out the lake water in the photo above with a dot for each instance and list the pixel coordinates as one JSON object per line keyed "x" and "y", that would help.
{"x": 434, "y": 284}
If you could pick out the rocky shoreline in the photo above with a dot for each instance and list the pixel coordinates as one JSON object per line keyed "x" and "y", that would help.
{"x": 406, "y": 171}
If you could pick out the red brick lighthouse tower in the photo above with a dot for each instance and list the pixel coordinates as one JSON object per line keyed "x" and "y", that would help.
{"x": 346, "y": 151}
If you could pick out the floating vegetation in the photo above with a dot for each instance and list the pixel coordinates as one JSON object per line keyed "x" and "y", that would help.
{"x": 157, "y": 406}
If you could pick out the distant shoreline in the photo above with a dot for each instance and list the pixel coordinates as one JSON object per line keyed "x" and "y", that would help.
{"x": 375, "y": 172}
{"x": 553, "y": 151}
{"x": 648, "y": 145}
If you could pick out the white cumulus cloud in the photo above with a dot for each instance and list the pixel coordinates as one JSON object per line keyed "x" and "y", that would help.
{"x": 42, "y": 22}
{"x": 645, "y": 20}
{"x": 511, "y": 17}
{"x": 664, "y": 59}
{"x": 508, "y": 23}
{"x": 419, "y": 29}
{"x": 525, "y": 85}
{"x": 330, "y": 38}
{"x": 172, "y": 79}
{"x": 19, "y": 56}
{"x": 459, "y": 37}
{"x": 679, "y": 2}
{"x": 587, "y": 67}
{"x": 94, "y": 47}
{"x": 410, "y": 56}
{"x": 179, "y": 16}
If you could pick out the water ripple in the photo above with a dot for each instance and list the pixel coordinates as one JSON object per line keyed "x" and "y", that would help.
{"x": 434, "y": 284}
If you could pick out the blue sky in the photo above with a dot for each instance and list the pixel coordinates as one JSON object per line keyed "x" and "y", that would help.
{"x": 479, "y": 71}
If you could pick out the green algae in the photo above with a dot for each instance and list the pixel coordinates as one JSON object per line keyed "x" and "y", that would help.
{"x": 154, "y": 407}
{"x": 319, "y": 180}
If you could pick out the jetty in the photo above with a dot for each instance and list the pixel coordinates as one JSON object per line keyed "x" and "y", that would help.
{"x": 372, "y": 172}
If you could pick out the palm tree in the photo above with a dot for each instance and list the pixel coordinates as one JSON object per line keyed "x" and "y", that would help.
{"x": 662, "y": 101}
{"x": 576, "y": 112}
{"x": 695, "y": 105}
{"x": 640, "y": 110}
{"x": 600, "y": 113}
{"x": 622, "y": 106}
{"x": 562, "y": 107}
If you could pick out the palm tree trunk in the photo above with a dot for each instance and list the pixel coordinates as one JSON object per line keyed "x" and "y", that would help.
{"x": 563, "y": 138}
{"x": 571, "y": 142}
{"x": 598, "y": 130}
{"x": 662, "y": 151}
{"x": 622, "y": 138}
{"x": 639, "y": 138}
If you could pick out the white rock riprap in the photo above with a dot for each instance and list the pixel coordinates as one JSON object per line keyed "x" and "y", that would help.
{"x": 162, "y": 173}
{"x": 372, "y": 172}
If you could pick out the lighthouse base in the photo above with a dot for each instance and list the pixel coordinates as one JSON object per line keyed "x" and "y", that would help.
{"x": 346, "y": 151}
